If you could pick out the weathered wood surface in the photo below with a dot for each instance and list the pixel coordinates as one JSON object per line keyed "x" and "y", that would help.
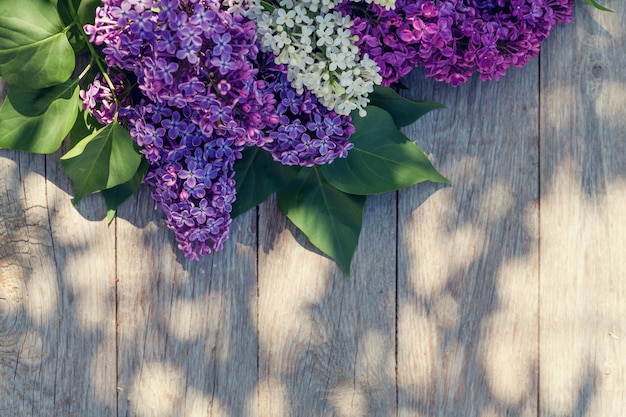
{"x": 503, "y": 295}
{"x": 583, "y": 219}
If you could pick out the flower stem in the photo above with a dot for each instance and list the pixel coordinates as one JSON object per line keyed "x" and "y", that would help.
{"x": 86, "y": 69}
{"x": 268, "y": 6}
{"x": 95, "y": 58}
{"x": 68, "y": 27}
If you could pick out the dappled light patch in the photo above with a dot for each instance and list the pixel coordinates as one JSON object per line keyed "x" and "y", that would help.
{"x": 449, "y": 253}
{"x": 497, "y": 200}
{"x": 509, "y": 348}
{"x": 285, "y": 301}
{"x": 419, "y": 351}
{"x": 349, "y": 400}
{"x": 273, "y": 398}
{"x": 610, "y": 103}
{"x": 589, "y": 284}
{"x": 156, "y": 390}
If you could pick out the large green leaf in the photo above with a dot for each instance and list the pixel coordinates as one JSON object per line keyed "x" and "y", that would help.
{"x": 34, "y": 49}
{"x": 102, "y": 160}
{"x": 330, "y": 218}
{"x": 115, "y": 196}
{"x": 382, "y": 160}
{"x": 403, "y": 111}
{"x": 257, "y": 176}
{"x": 38, "y": 120}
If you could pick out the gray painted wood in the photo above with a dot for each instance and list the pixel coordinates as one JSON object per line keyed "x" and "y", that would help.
{"x": 57, "y": 306}
{"x": 187, "y": 338}
{"x": 467, "y": 261}
{"x": 57, "y": 295}
{"x": 583, "y": 217}
{"x": 327, "y": 343}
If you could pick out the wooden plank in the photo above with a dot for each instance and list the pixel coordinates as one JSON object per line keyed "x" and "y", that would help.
{"x": 467, "y": 259}
{"x": 327, "y": 343}
{"x": 57, "y": 305}
{"x": 583, "y": 217}
{"x": 187, "y": 338}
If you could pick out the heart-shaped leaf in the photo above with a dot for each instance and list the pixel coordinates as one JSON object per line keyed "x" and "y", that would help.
{"x": 34, "y": 49}
{"x": 257, "y": 176}
{"x": 102, "y": 160}
{"x": 383, "y": 159}
{"x": 38, "y": 120}
{"x": 403, "y": 110}
{"x": 330, "y": 218}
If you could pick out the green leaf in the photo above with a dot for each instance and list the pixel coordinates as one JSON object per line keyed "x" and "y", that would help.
{"x": 403, "y": 111}
{"x": 34, "y": 50}
{"x": 63, "y": 8}
{"x": 73, "y": 34}
{"x": 599, "y": 6}
{"x": 330, "y": 218}
{"x": 257, "y": 176}
{"x": 86, "y": 124}
{"x": 102, "y": 160}
{"x": 87, "y": 10}
{"x": 382, "y": 160}
{"x": 115, "y": 196}
{"x": 38, "y": 120}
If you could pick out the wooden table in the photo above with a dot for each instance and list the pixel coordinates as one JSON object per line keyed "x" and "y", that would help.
{"x": 502, "y": 295}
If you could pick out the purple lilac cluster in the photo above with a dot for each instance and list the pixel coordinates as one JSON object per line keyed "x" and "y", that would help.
{"x": 99, "y": 99}
{"x": 198, "y": 102}
{"x": 197, "y": 99}
{"x": 452, "y": 39}
{"x": 308, "y": 133}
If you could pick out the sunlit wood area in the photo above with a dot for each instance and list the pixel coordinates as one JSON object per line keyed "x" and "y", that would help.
{"x": 503, "y": 294}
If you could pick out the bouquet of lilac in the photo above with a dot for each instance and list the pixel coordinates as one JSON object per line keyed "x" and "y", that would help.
{"x": 216, "y": 104}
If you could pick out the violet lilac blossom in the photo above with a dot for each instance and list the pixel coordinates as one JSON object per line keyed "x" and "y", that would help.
{"x": 453, "y": 39}
{"x": 198, "y": 99}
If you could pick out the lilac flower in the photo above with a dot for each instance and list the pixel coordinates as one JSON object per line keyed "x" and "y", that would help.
{"x": 452, "y": 39}
{"x": 223, "y": 63}
{"x": 142, "y": 25}
{"x": 98, "y": 99}
{"x": 300, "y": 136}
{"x": 182, "y": 113}
{"x": 203, "y": 211}
{"x": 222, "y": 44}
{"x": 174, "y": 125}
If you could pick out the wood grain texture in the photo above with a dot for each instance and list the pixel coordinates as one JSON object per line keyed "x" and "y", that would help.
{"x": 57, "y": 295}
{"x": 327, "y": 343}
{"x": 187, "y": 338}
{"x": 583, "y": 217}
{"x": 467, "y": 261}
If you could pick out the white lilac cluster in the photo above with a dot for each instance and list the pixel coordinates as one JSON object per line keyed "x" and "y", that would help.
{"x": 323, "y": 6}
{"x": 316, "y": 44}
